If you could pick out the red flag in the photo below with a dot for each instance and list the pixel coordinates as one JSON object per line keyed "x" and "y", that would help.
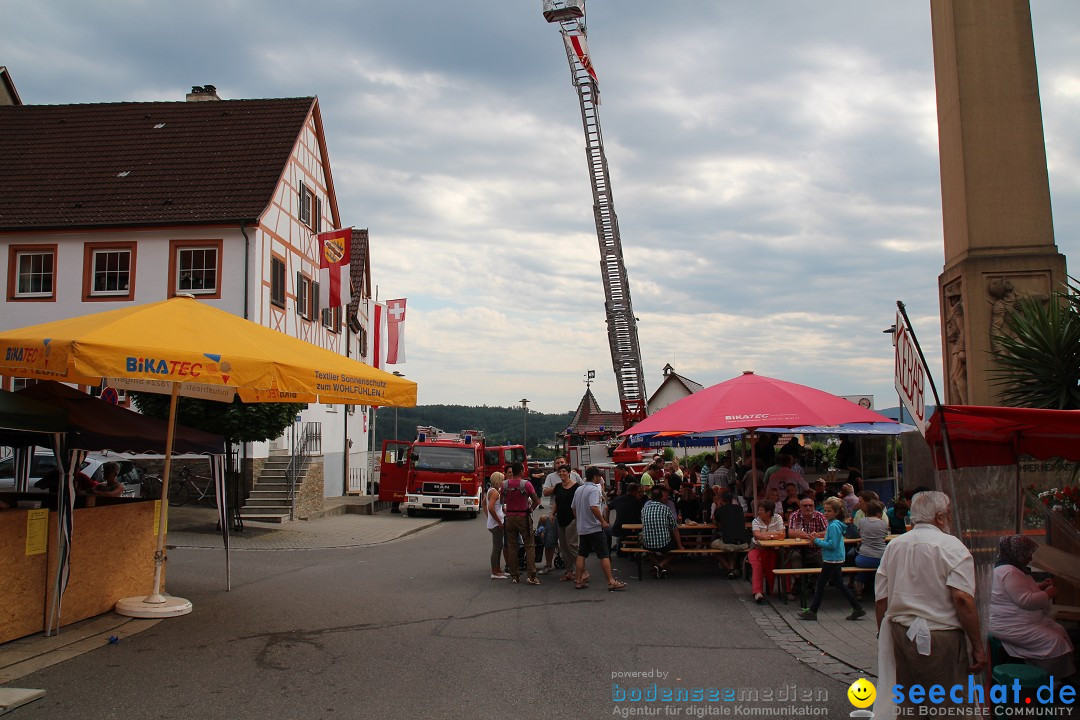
{"x": 395, "y": 331}
{"x": 335, "y": 287}
{"x": 577, "y": 45}
{"x": 376, "y": 336}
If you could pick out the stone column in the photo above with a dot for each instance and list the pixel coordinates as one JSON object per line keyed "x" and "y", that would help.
{"x": 995, "y": 194}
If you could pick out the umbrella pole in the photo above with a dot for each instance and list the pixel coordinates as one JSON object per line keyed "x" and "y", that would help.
{"x": 157, "y": 605}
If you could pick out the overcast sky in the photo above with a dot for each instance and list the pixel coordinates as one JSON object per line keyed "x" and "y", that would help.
{"x": 774, "y": 168}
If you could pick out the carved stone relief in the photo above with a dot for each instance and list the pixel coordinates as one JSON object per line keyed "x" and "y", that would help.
{"x": 955, "y": 343}
{"x": 1005, "y": 291}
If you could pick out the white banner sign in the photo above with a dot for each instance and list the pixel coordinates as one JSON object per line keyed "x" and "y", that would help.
{"x": 864, "y": 401}
{"x": 220, "y": 393}
{"x": 910, "y": 375}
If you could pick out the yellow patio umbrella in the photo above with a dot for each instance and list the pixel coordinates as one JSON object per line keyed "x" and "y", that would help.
{"x": 181, "y": 346}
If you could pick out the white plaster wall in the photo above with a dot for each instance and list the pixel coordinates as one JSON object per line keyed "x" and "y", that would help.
{"x": 151, "y": 271}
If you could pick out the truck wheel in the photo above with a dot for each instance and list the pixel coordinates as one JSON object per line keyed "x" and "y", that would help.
{"x": 410, "y": 512}
{"x": 472, "y": 515}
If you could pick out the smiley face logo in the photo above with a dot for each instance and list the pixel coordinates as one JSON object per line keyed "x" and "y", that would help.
{"x": 862, "y": 693}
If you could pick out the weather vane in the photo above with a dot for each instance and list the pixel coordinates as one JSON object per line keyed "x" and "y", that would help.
{"x": 590, "y": 375}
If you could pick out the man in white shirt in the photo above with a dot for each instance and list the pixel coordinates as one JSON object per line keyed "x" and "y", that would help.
{"x": 551, "y": 540}
{"x": 926, "y": 613}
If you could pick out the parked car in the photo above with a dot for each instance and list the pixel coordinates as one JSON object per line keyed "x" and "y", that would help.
{"x": 44, "y": 461}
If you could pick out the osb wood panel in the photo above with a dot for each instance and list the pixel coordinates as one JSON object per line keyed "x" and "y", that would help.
{"x": 112, "y": 557}
{"x": 22, "y": 579}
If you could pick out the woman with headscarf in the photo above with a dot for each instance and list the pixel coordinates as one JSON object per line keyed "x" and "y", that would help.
{"x": 1020, "y": 611}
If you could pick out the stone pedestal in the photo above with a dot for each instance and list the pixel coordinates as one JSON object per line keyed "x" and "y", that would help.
{"x": 975, "y": 295}
{"x": 995, "y": 193}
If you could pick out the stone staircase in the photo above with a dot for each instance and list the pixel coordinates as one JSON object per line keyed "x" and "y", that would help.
{"x": 269, "y": 498}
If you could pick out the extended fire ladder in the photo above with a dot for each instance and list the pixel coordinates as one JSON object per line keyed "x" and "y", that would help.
{"x": 621, "y": 323}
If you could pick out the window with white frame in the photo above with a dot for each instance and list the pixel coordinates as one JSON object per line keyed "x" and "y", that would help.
{"x": 304, "y": 303}
{"x": 111, "y": 272}
{"x": 197, "y": 270}
{"x": 306, "y": 198}
{"x": 331, "y": 319}
{"x": 35, "y": 273}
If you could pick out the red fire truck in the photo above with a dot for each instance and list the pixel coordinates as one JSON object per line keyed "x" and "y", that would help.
{"x": 441, "y": 470}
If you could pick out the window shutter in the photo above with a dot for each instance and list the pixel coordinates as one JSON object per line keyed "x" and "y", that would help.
{"x": 300, "y": 294}
{"x": 314, "y": 300}
{"x": 318, "y": 215}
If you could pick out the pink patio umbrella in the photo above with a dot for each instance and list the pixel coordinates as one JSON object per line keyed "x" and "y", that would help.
{"x": 749, "y": 402}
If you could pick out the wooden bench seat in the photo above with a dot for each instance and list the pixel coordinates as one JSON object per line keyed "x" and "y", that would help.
{"x": 789, "y": 572}
{"x": 631, "y": 544}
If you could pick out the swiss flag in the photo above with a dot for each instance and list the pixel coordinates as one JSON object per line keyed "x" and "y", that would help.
{"x": 395, "y": 331}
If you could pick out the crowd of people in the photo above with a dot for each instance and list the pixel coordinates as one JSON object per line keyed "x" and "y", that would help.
{"x": 922, "y": 577}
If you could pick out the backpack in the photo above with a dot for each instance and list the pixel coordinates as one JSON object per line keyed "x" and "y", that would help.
{"x": 516, "y": 497}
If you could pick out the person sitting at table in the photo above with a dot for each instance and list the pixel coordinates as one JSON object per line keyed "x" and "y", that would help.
{"x": 791, "y": 500}
{"x": 850, "y": 499}
{"x": 110, "y": 486}
{"x": 627, "y": 508}
{"x": 897, "y": 516}
{"x": 779, "y": 477}
{"x": 659, "y": 532}
{"x": 831, "y": 543}
{"x": 1020, "y": 612}
{"x": 652, "y": 475}
{"x": 730, "y": 534}
{"x": 672, "y": 481}
{"x": 665, "y": 497}
{"x": 767, "y": 525}
{"x": 689, "y": 506}
{"x": 802, "y": 525}
{"x": 819, "y": 494}
{"x": 872, "y": 532}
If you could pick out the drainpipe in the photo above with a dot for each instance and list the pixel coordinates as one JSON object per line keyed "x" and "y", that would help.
{"x": 247, "y": 281}
{"x": 345, "y": 420}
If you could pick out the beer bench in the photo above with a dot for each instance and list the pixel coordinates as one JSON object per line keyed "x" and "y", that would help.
{"x": 781, "y": 573}
{"x": 631, "y": 544}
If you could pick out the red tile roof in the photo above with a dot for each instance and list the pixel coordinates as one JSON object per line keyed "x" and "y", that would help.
{"x": 158, "y": 163}
{"x": 589, "y": 418}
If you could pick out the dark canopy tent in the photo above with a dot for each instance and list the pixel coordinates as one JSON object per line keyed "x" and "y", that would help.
{"x": 25, "y": 421}
{"x": 94, "y": 424}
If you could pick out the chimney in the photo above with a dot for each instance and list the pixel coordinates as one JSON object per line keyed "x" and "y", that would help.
{"x": 200, "y": 93}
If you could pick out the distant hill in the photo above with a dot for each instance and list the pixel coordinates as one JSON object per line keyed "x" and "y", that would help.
{"x": 894, "y": 413}
{"x": 500, "y": 425}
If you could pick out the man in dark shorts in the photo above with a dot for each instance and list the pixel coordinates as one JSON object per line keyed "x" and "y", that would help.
{"x": 590, "y": 525}
{"x": 659, "y": 532}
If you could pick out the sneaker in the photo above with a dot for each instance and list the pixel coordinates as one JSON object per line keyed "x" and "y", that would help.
{"x": 499, "y": 576}
{"x": 515, "y": 581}
{"x": 656, "y": 572}
{"x": 663, "y": 574}
{"x": 545, "y": 570}
{"x": 759, "y": 598}
{"x": 807, "y": 615}
{"x": 856, "y": 614}
{"x": 534, "y": 581}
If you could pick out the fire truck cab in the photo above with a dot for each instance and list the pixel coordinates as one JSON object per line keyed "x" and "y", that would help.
{"x": 438, "y": 471}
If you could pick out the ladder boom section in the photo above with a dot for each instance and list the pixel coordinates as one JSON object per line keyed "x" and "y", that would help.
{"x": 621, "y": 323}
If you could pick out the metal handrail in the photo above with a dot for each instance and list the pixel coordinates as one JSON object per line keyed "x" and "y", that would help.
{"x": 310, "y": 442}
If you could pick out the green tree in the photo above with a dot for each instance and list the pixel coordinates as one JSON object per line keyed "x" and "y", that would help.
{"x": 236, "y": 421}
{"x": 1038, "y": 354}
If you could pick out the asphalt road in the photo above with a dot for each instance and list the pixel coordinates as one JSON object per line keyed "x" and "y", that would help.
{"x": 415, "y": 629}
